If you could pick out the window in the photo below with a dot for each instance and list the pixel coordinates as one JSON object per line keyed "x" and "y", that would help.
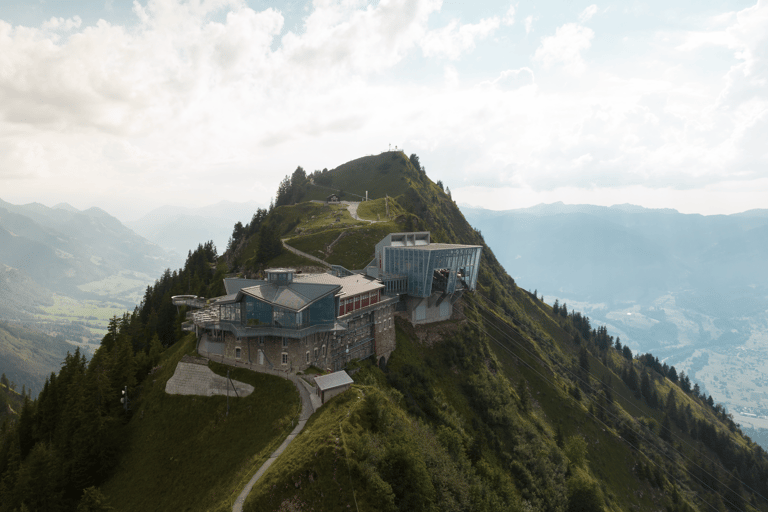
{"x": 307, "y": 355}
{"x": 285, "y": 342}
{"x": 261, "y": 340}
{"x": 315, "y": 354}
{"x": 285, "y": 357}
{"x": 324, "y": 353}
{"x": 237, "y": 353}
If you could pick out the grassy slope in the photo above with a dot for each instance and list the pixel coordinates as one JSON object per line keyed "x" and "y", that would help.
{"x": 380, "y": 175}
{"x": 184, "y": 453}
{"x": 493, "y": 391}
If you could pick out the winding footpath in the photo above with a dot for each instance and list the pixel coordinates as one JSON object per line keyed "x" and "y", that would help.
{"x": 307, "y": 408}
{"x": 304, "y": 254}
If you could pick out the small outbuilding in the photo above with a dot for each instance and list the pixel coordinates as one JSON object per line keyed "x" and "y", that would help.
{"x": 332, "y": 199}
{"x": 328, "y": 386}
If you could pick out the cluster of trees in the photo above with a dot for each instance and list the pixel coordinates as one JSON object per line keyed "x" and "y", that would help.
{"x": 67, "y": 440}
{"x": 738, "y": 463}
{"x": 292, "y": 189}
{"x": 323, "y": 178}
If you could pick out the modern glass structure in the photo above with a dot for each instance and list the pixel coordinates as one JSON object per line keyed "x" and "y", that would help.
{"x": 427, "y": 267}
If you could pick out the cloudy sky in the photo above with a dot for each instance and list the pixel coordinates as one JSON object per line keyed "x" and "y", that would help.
{"x": 129, "y": 106}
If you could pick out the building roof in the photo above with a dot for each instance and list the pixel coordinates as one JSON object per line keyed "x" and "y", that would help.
{"x": 437, "y": 247}
{"x": 295, "y": 296}
{"x": 226, "y": 299}
{"x": 350, "y": 285}
{"x": 333, "y": 380}
{"x": 232, "y": 285}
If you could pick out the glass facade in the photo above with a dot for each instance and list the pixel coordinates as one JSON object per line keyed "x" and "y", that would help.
{"x": 419, "y": 266}
{"x": 257, "y": 312}
{"x": 230, "y": 312}
{"x": 322, "y": 311}
{"x": 260, "y": 313}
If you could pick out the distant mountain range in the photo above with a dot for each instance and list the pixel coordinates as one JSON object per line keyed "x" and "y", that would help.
{"x": 692, "y": 289}
{"x": 77, "y": 253}
{"x": 181, "y": 229}
{"x": 63, "y": 273}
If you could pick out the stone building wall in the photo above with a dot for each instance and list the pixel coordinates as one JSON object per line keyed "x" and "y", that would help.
{"x": 384, "y": 332}
{"x": 370, "y": 332}
{"x": 299, "y": 353}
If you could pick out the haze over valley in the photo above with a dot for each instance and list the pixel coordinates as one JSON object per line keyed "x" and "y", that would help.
{"x": 690, "y": 289}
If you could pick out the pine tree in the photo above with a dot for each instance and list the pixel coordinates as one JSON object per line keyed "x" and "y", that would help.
{"x": 666, "y": 429}
{"x": 584, "y": 359}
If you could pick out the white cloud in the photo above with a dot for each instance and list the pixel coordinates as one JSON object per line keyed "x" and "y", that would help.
{"x": 512, "y": 79}
{"x": 202, "y": 98}
{"x": 455, "y": 39}
{"x": 529, "y": 24}
{"x": 62, "y": 24}
{"x": 565, "y": 47}
{"x": 587, "y": 13}
{"x": 339, "y": 35}
{"x": 509, "y": 17}
{"x": 451, "y": 76}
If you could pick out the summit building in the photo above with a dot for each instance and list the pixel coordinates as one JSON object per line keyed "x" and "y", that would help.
{"x": 291, "y": 321}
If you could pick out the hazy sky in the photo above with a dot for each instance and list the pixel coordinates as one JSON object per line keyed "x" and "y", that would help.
{"x": 129, "y": 106}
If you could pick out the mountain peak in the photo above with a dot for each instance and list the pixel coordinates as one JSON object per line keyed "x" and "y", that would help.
{"x": 65, "y": 206}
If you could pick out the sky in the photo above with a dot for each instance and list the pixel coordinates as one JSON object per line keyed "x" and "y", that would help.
{"x": 132, "y": 105}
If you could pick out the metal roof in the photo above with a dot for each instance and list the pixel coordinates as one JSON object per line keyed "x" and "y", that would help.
{"x": 439, "y": 247}
{"x": 295, "y": 296}
{"x": 235, "y": 284}
{"x": 333, "y": 380}
{"x": 350, "y": 285}
{"x": 227, "y": 299}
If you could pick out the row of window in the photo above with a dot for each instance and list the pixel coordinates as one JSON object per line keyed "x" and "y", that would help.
{"x": 358, "y": 301}
{"x": 323, "y": 352}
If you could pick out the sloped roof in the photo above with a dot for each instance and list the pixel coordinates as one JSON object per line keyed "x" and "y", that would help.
{"x": 227, "y": 299}
{"x": 350, "y": 285}
{"x": 295, "y": 296}
{"x": 232, "y": 285}
{"x": 333, "y": 380}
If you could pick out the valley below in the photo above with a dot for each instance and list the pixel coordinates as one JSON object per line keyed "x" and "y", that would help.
{"x": 688, "y": 289}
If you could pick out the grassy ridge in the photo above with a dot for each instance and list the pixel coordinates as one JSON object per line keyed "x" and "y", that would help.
{"x": 508, "y": 407}
{"x": 380, "y": 175}
{"x": 185, "y": 453}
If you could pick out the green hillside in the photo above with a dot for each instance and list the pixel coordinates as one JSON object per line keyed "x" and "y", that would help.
{"x": 380, "y": 175}
{"x": 190, "y": 447}
{"x": 510, "y": 405}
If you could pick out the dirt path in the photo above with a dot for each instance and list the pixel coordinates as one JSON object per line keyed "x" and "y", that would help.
{"x": 352, "y": 209}
{"x": 304, "y": 254}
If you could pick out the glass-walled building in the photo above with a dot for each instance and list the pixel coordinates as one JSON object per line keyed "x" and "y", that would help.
{"x": 429, "y": 267}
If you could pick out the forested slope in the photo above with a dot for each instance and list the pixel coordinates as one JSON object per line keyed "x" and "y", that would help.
{"x": 510, "y": 405}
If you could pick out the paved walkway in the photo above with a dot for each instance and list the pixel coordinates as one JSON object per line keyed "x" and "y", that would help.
{"x": 306, "y": 411}
{"x": 310, "y": 402}
{"x": 192, "y": 377}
